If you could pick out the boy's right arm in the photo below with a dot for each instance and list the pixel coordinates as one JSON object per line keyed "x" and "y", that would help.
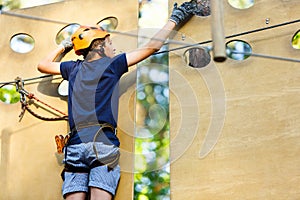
{"x": 179, "y": 16}
{"x": 48, "y": 64}
{"x": 51, "y": 63}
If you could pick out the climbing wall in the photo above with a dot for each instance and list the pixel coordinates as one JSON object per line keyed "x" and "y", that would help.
{"x": 30, "y": 166}
{"x": 235, "y": 125}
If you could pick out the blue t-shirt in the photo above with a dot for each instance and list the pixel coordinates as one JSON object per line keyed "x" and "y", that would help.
{"x": 93, "y": 93}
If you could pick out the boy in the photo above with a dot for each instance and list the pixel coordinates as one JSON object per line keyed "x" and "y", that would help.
{"x": 92, "y": 152}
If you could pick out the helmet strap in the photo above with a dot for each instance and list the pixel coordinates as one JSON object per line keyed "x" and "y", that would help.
{"x": 99, "y": 49}
{"x": 100, "y": 52}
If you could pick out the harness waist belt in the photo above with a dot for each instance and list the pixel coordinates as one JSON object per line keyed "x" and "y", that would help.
{"x": 102, "y": 126}
{"x": 73, "y": 169}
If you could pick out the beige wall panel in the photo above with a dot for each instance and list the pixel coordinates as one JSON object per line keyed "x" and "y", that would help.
{"x": 30, "y": 168}
{"x": 257, "y": 153}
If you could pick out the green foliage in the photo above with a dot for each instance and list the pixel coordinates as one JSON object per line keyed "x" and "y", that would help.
{"x": 152, "y": 177}
{"x": 8, "y": 94}
{"x": 296, "y": 40}
{"x": 10, "y": 4}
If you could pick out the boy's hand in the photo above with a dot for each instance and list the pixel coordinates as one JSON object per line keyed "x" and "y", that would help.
{"x": 184, "y": 12}
{"x": 67, "y": 44}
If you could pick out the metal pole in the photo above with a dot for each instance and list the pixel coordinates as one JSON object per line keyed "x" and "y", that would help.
{"x": 217, "y": 30}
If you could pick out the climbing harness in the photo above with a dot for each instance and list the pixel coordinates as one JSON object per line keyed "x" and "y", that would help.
{"x": 111, "y": 161}
{"x": 62, "y": 141}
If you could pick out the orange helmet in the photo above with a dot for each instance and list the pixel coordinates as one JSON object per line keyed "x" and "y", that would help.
{"x": 84, "y": 36}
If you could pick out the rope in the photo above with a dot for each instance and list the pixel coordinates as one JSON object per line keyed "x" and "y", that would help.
{"x": 25, "y": 106}
{"x": 31, "y": 96}
{"x": 23, "y": 94}
{"x": 231, "y": 36}
{"x": 159, "y": 52}
{"x": 29, "y": 79}
{"x": 4, "y": 84}
{"x": 31, "y": 17}
{"x": 265, "y": 56}
{"x": 136, "y": 35}
{"x": 44, "y": 118}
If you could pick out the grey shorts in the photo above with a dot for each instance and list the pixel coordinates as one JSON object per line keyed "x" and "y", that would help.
{"x": 82, "y": 155}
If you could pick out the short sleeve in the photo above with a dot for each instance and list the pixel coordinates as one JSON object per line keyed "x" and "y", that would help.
{"x": 66, "y": 68}
{"x": 119, "y": 64}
